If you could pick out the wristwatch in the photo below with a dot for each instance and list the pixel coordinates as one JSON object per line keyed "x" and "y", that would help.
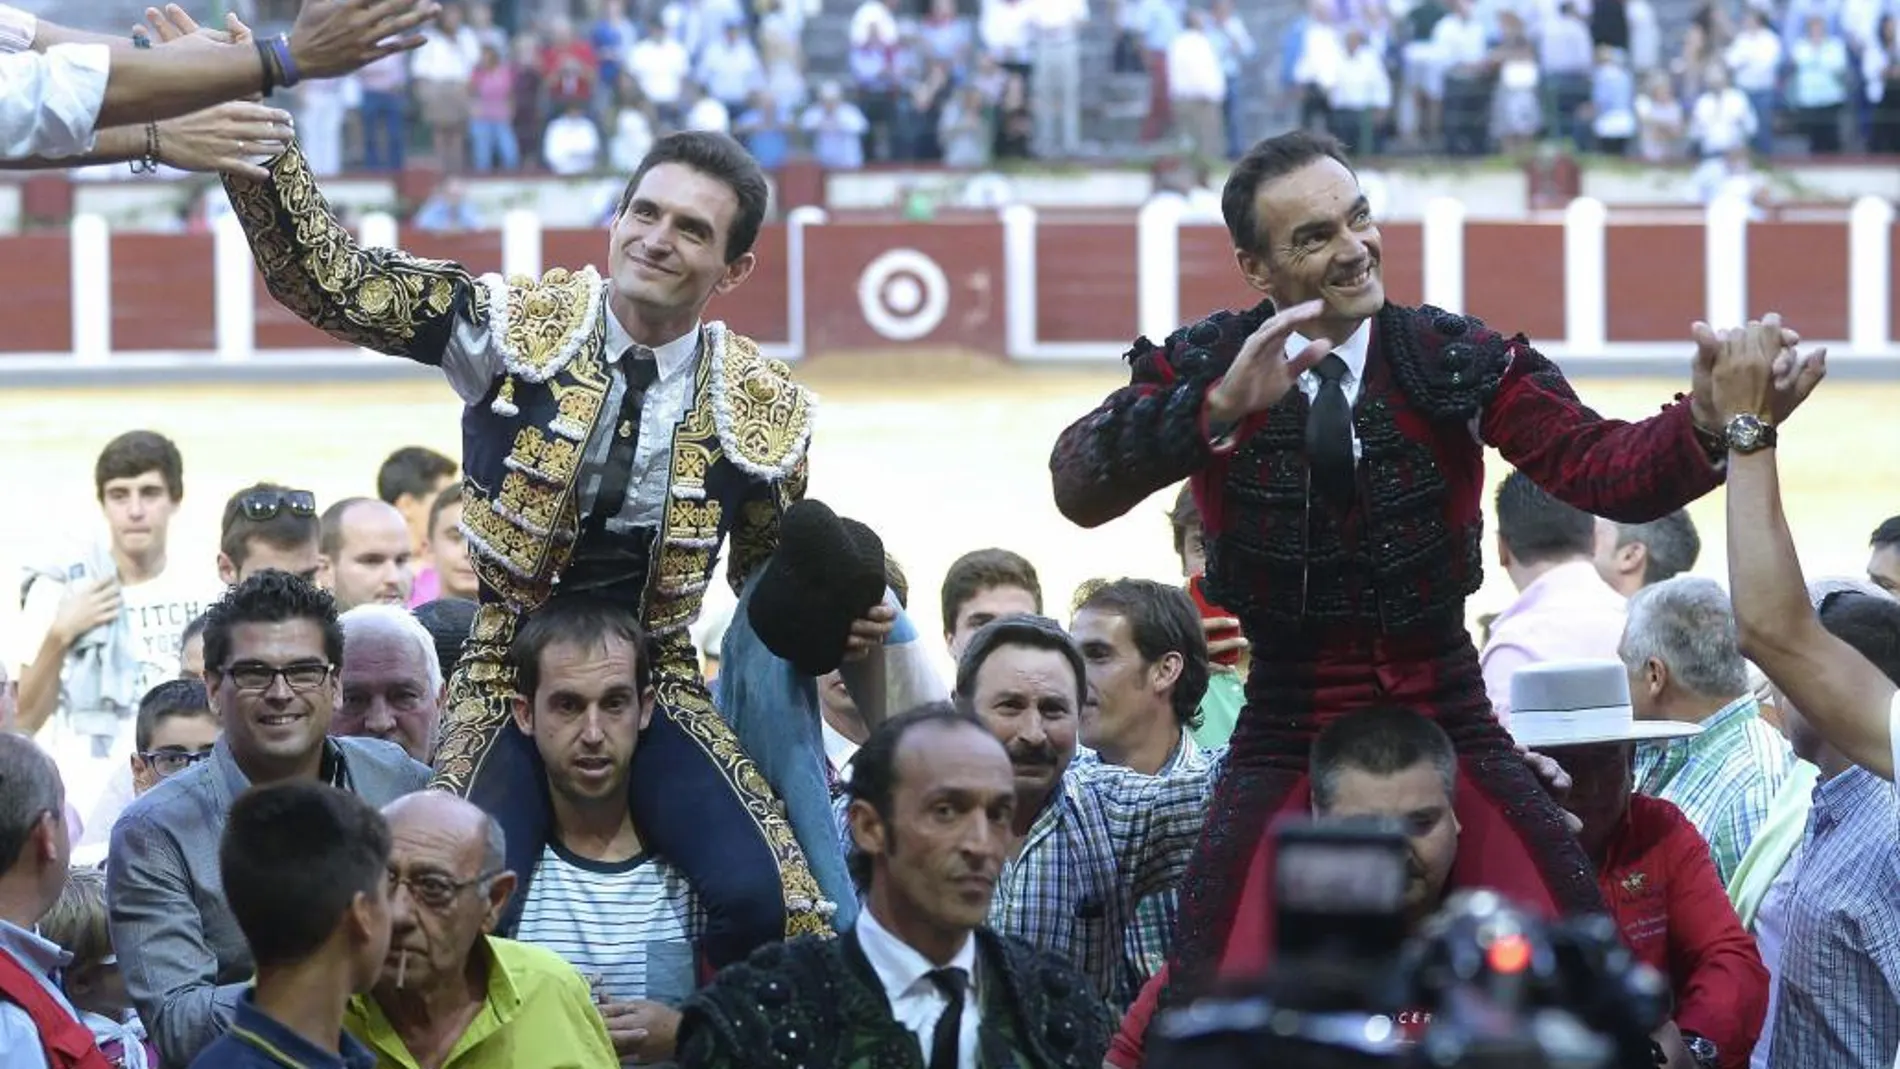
{"x": 1748, "y": 434}
{"x": 1702, "y": 1049}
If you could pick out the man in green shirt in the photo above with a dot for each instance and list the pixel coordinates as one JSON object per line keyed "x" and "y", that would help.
{"x": 451, "y": 996}
{"x": 1226, "y": 649}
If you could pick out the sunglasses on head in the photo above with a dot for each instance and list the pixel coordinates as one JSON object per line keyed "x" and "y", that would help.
{"x": 260, "y": 505}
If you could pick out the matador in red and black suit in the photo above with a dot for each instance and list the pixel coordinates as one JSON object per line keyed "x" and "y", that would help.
{"x": 1364, "y": 604}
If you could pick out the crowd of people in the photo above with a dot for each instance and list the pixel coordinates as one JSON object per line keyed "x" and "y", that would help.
{"x": 456, "y": 775}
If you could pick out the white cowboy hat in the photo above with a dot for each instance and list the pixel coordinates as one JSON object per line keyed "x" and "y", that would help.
{"x": 1579, "y": 703}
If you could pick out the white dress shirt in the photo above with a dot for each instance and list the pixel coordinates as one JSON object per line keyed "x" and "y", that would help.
{"x": 1194, "y": 68}
{"x": 916, "y": 1001}
{"x": 1353, "y": 352}
{"x": 1056, "y": 18}
{"x": 50, "y": 101}
{"x": 731, "y": 70}
{"x": 1362, "y": 84}
{"x": 1755, "y": 58}
{"x": 1722, "y": 121}
{"x": 472, "y": 362}
{"x": 660, "y": 66}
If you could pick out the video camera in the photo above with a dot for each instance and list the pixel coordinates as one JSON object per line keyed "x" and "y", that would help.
{"x": 1492, "y": 986}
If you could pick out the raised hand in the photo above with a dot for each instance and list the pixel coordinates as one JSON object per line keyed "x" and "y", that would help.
{"x": 1263, "y": 372}
{"x": 335, "y": 37}
{"x": 228, "y": 138}
{"x": 1795, "y": 374}
{"x": 172, "y": 22}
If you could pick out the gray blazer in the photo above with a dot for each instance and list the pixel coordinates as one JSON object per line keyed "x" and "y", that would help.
{"x": 183, "y": 958}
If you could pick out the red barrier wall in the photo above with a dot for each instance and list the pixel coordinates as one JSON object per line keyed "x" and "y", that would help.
{"x": 872, "y": 284}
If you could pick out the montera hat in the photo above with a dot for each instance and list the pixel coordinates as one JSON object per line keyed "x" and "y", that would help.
{"x": 826, "y": 573}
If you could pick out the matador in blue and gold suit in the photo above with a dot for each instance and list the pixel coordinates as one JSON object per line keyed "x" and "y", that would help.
{"x": 579, "y": 479}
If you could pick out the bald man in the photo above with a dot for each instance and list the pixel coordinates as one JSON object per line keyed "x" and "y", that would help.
{"x": 366, "y": 553}
{"x": 391, "y": 679}
{"x": 439, "y": 1000}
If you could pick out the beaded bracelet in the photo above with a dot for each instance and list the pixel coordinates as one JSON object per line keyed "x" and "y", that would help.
{"x": 148, "y": 164}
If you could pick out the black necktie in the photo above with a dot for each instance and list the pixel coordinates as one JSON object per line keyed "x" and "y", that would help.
{"x": 1329, "y": 434}
{"x": 943, "y": 1042}
{"x": 641, "y": 369}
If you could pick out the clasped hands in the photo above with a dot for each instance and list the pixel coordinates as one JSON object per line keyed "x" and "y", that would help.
{"x": 1751, "y": 370}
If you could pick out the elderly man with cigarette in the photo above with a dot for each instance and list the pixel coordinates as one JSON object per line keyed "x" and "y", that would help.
{"x": 451, "y": 995}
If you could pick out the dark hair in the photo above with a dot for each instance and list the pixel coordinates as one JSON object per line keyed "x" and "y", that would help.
{"x": 1887, "y": 534}
{"x": 134, "y": 453}
{"x": 449, "y": 621}
{"x": 980, "y": 570}
{"x": 582, "y": 621}
{"x": 1380, "y": 741}
{"x": 1870, "y": 623}
{"x": 330, "y": 542}
{"x": 451, "y": 495}
{"x": 1537, "y": 527}
{"x": 294, "y": 856}
{"x": 172, "y": 698}
{"x": 874, "y": 767}
{"x": 270, "y": 597}
{"x": 1274, "y": 157}
{"x": 413, "y": 470}
{"x": 1163, "y": 620}
{"x": 284, "y": 530}
{"x": 895, "y": 578}
{"x": 719, "y": 157}
{"x": 1184, "y": 517}
{"x": 29, "y": 789}
{"x": 1672, "y": 545}
{"x": 193, "y": 629}
{"x": 1017, "y": 629}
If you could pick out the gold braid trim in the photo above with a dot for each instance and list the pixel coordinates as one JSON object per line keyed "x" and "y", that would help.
{"x": 380, "y": 299}
{"x": 481, "y": 699}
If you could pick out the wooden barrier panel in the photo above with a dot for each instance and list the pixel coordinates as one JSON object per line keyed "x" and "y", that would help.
{"x": 872, "y": 285}
{"x": 36, "y": 294}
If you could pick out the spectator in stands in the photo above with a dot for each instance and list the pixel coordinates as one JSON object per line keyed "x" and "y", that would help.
{"x": 442, "y": 69}
{"x": 1817, "y": 90}
{"x": 448, "y": 210}
{"x": 1754, "y": 60}
{"x": 661, "y": 65}
{"x": 704, "y": 111}
{"x": 1316, "y": 66}
{"x": 530, "y": 106}
{"x": 967, "y": 130}
{"x": 481, "y": 19}
{"x": 1460, "y": 79}
{"x": 612, "y": 37}
{"x": 1517, "y": 104}
{"x": 1645, "y": 37}
{"x": 874, "y": 82}
{"x": 1609, "y": 23}
{"x": 765, "y": 128}
{"x": 571, "y": 145}
{"x": 1566, "y": 58}
{"x": 1159, "y": 22}
{"x": 1612, "y": 106}
{"x": 1880, "y": 66}
{"x": 1055, "y": 28}
{"x": 1237, "y": 54}
{"x": 1883, "y": 567}
{"x": 948, "y": 36}
{"x": 1723, "y": 119}
{"x": 1361, "y": 96}
{"x": 837, "y": 130}
{"x": 920, "y": 107}
{"x": 730, "y": 68}
{"x": 492, "y": 143}
{"x": 633, "y": 125}
{"x": 382, "y": 111}
{"x": 570, "y": 68}
{"x": 782, "y": 52}
{"x": 1733, "y": 176}
{"x": 1662, "y": 129}
{"x": 322, "y": 105}
{"x": 1196, "y": 88}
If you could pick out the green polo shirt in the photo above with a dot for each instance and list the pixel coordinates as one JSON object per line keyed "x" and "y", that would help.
{"x": 539, "y": 1014}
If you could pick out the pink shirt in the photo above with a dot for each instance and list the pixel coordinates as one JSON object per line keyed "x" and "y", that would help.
{"x": 494, "y": 93}
{"x": 1568, "y": 614}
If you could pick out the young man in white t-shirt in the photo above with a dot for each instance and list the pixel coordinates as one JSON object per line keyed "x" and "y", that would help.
{"x": 104, "y": 627}
{"x": 625, "y": 918}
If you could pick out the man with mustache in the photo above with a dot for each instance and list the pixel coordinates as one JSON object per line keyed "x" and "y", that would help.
{"x": 1334, "y": 442}
{"x": 613, "y": 440}
{"x": 920, "y": 981}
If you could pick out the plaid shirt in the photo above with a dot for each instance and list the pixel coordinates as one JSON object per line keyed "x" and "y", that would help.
{"x": 1723, "y": 780}
{"x": 1838, "y": 1005}
{"x": 1145, "y": 943}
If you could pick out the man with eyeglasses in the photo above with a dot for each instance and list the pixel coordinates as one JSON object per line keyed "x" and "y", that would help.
{"x": 272, "y": 646}
{"x": 269, "y": 526}
{"x": 451, "y": 995}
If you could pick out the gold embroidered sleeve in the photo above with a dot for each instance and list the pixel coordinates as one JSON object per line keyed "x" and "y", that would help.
{"x": 381, "y": 299}
{"x": 755, "y": 533}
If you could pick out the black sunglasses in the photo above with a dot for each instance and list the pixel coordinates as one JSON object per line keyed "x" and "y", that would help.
{"x": 260, "y": 505}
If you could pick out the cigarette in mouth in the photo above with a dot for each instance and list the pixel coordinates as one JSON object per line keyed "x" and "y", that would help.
{"x": 402, "y": 968}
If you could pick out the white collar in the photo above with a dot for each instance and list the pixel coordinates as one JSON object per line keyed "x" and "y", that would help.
{"x": 899, "y": 967}
{"x": 838, "y": 749}
{"x": 673, "y": 356}
{"x": 1353, "y": 351}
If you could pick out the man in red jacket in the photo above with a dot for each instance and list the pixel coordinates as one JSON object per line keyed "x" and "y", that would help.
{"x": 1335, "y": 445}
{"x": 37, "y": 1024}
{"x": 1652, "y": 865}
